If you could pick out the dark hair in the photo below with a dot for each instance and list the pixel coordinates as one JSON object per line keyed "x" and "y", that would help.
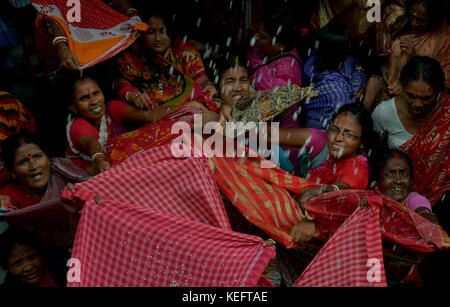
{"x": 334, "y": 44}
{"x": 364, "y": 119}
{"x": 380, "y": 159}
{"x": 435, "y": 10}
{"x": 229, "y": 61}
{"x": 14, "y": 142}
{"x": 71, "y": 81}
{"x": 162, "y": 11}
{"x": 281, "y": 25}
{"x": 423, "y": 67}
{"x": 12, "y": 237}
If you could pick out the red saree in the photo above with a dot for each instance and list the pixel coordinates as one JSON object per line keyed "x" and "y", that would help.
{"x": 429, "y": 150}
{"x": 151, "y": 135}
{"x": 262, "y": 195}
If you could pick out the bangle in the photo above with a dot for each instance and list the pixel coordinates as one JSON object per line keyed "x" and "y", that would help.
{"x": 126, "y": 96}
{"x": 131, "y": 11}
{"x": 335, "y": 187}
{"x": 57, "y": 39}
{"x": 308, "y": 217}
{"x": 97, "y": 154}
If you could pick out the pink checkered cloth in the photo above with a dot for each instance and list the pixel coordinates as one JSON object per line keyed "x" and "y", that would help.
{"x": 155, "y": 179}
{"x": 162, "y": 223}
{"x": 123, "y": 245}
{"x": 352, "y": 255}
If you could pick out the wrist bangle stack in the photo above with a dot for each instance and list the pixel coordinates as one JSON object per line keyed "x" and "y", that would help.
{"x": 96, "y": 155}
{"x": 58, "y": 39}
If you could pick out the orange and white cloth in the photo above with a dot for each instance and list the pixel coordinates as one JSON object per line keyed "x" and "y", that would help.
{"x": 100, "y": 34}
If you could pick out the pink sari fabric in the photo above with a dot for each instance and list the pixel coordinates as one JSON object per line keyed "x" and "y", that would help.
{"x": 342, "y": 262}
{"x": 126, "y": 245}
{"x": 278, "y": 73}
{"x": 347, "y": 257}
{"x": 162, "y": 223}
{"x": 156, "y": 180}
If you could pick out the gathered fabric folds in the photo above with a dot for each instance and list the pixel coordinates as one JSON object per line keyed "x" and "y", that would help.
{"x": 128, "y": 245}
{"x": 154, "y": 179}
{"x": 262, "y": 194}
{"x": 50, "y": 200}
{"x": 429, "y": 150}
{"x": 161, "y": 222}
{"x": 353, "y": 256}
{"x": 151, "y": 135}
{"x": 98, "y": 35}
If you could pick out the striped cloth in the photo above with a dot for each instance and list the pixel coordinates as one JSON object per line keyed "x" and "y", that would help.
{"x": 14, "y": 117}
{"x": 100, "y": 34}
{"x": 262, "y": 195}
{"x": 68, "y": 170}
{"x": 50, "y": 199}
{"x": 126, "y": 245}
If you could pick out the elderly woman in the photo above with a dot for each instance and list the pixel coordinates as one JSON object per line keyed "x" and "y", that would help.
{"x": 162, "y": 69}
{"x": 393, "y": 171}
{"x": 29, "y": 169}
{"x": 34, "y": 181}
{"x": 416, "y": 122}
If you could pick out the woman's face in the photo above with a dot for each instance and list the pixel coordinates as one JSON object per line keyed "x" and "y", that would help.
{"x": 395, "y": 179}
{"x": 31, "y": 167}
{"x": 265, "y": 44}
{"x": 89, "y": 101}
{"x": 420, "y": 97}
{"x": 419, "y": 18}
{"x": 344, "y": 136}
{"x": 156, "y": 39}
{"x": 233, "y": 83}
{"x": 25, "y": 263}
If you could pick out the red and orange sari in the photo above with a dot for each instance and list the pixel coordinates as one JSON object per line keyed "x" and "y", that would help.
{"x": 429, "y": 150}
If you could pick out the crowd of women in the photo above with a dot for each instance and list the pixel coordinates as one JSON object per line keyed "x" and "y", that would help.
{"x": 345, "y": 124}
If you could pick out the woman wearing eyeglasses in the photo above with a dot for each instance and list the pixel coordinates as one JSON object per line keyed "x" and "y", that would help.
{"x": 335, "y": 159}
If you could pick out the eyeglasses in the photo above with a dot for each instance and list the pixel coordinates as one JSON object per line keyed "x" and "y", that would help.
{"x": 345, "y": 134}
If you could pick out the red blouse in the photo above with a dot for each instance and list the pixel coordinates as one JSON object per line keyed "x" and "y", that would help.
{"x": 19, "y": 199}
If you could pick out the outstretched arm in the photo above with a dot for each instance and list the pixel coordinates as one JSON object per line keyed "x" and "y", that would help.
{"x": 90, "y": 146}
{"x": 293, "y": 136}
